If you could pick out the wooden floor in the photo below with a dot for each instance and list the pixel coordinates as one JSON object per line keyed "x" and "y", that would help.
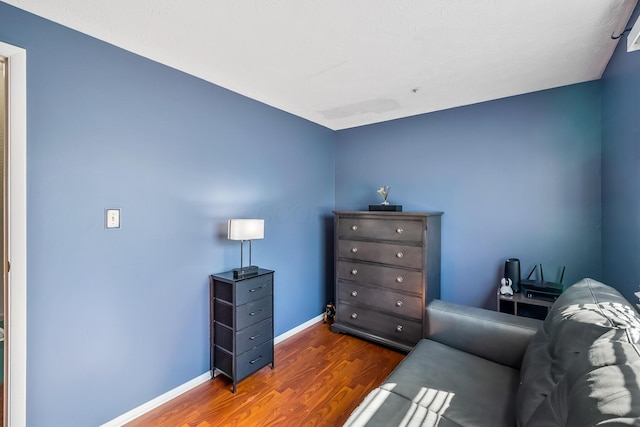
{"x": 318, "y": 379}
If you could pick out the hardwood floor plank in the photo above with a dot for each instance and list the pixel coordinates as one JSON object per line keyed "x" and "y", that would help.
{"x": 318, "y": 380}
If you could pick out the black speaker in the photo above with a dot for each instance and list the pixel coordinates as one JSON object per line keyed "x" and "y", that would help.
{"x": 512, "y": 271}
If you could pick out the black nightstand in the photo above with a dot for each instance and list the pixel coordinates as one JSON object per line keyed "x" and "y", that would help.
{"x": 520, "y": 305}
{"x": 241, "y": 325}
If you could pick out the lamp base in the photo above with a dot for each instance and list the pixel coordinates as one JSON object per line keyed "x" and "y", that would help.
{"x": 241, "y": 272}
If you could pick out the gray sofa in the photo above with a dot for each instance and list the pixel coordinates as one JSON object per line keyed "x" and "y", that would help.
{"x": 578, "y": 368}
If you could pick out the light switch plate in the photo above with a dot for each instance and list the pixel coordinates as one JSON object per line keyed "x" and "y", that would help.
{"x": 112, "y": 218}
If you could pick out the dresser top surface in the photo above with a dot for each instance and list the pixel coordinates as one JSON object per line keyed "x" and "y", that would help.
{"x": 383, "y": 214}
{"x": 228, "y": 275}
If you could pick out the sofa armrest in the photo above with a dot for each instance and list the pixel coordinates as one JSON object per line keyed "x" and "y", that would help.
{"x": 499, "y": 337}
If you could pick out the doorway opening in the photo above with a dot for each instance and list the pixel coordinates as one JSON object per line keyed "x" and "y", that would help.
{"x": 3, "y": 287}
{"x": 15, "y": 233}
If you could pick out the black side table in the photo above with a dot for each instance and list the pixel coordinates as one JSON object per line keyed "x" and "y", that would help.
{"x": 520, "y": 305}
{"x": 241, "y": 325}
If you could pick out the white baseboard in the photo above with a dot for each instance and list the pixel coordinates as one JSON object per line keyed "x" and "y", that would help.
{"x": 172, "y": 394}
{"x": 297, "y": 329}
{"x": 154, "y": 403}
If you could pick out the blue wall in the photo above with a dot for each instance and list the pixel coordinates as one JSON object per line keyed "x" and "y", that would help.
{"x": 517, "y": 177}
{"x": 621, "y": 169}
{"x": 118, "y": 317}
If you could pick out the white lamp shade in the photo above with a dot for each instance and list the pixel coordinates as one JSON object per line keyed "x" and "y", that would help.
{"x": 245, "y": 229}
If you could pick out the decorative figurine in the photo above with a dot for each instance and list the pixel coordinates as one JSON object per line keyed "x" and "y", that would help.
{"x": 384, "y": 192}
{"x": 385, "y": 206}
{"x": 329, "y": 313}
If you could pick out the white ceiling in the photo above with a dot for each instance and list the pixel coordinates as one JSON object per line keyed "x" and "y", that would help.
{"x": 349, "y": 63}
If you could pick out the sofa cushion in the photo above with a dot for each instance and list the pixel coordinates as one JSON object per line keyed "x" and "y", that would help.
{"x": 586, "y": 313}
{"x": 600, "y": 388}
{"x": 457, "y": 386}
{"x": 385, "y": 408}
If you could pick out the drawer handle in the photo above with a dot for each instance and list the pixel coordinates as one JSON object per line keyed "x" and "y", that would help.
{"x": 354, "y": 250}
{"x": 399, "y": 279}
{"x": 354, "y": 271}
{"x": 399, "y": 328}
{"x": 253, "y": 313}
{"x": 354, "y": 315}
{"x": 354, "y": 293}
{"x": 399, "y": 304}
{"x": 255, "y": 336}
{"x": 399, "y": 255}
{"x": 255, "y": 289}
{"x": 399, "y": 230}
{"x": 255, "y": 360}
{"x": 354, "y": 227}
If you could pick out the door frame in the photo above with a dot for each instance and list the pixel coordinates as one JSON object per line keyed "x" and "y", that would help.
{"x": 16, "y": 285}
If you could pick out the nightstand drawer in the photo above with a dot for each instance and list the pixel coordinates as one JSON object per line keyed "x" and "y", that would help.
{"x": 393, "y": 303}
{"x": 401, "y": 230}
{"x": 253, "y": 312}
{"x": 254, "y": 335}
{"x": 387, "y": 326}
{"x": 254, "y": 289}
{"x": 244, "y": 290}
{"x": 254, "y": 359}
{"x": 247, "y": 338}
{"x": 385, "y": 253}
{"x": 389, "y": 277}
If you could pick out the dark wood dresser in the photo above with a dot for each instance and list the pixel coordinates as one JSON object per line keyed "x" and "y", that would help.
{"x": 241, "y": 324}
{"x": 387, "y": 268}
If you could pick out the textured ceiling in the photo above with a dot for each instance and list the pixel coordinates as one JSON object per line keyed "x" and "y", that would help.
{"x": 349, "y": 63}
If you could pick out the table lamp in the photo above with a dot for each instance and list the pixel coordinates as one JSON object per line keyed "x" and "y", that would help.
{"x": 245, "y": 230}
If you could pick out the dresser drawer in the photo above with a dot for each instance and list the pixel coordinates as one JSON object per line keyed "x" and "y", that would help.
{"x": 254, "y": 289}
{"x": 394, "y": 328}
{"x": 245, "y": 290}
{"x": 385, "y": 253}
{"x": 246, "y": 363}
{"x": 389, "y": 277}
{"x": 254, "y": 335}
{"x": 395, "y": 229}
{"x": 247, "y": 338}
{"x": 394, "y": 303}
{"x": 253, "y": 312}
{"x": 254, "y": 359}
